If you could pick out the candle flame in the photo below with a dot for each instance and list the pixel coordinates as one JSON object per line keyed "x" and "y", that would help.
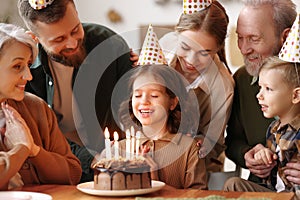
{"x": 106, "y": 133}
{"x": 116, "y": 136}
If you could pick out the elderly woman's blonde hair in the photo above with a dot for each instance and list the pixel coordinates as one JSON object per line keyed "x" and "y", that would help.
{"x": 10, "y": 33}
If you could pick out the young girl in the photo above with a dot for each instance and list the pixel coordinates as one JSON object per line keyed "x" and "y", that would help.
{"x": 159, "y": 105}
{"x": 196, "y": 50}
{"x": 32, "y": 148}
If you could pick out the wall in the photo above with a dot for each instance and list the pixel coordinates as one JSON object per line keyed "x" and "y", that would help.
{"x": 135, "y": 13}
{"x": 9, "y": 12}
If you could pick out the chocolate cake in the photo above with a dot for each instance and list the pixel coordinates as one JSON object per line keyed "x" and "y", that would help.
{"x": 121, "y": 174}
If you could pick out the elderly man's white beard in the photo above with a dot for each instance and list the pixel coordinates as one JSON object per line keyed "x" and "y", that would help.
{"x": 253, "y": 68}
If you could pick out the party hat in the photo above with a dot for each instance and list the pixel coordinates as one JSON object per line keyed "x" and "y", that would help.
{"x": 290, "y": 50}
{"x": 40, "y": 4}
{"x": 151, "y": 51}
{"x": 192, "y": 6}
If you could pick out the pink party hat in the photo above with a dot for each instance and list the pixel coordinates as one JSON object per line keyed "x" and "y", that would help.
{"x": 151, "y": 51}
{"x": 40, "y": 4}
{"x": 290, "y": 50}
{"x": 192, "y": 6}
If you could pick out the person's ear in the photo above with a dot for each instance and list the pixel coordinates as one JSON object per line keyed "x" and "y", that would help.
{"x": 33, "y": 36}
{"x": 296, "y": 95}
{"x": 284, "y": 35}
{"x": 174, "y": 102}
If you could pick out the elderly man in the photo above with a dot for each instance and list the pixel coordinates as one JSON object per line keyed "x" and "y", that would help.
{"x": 257, "y": 39}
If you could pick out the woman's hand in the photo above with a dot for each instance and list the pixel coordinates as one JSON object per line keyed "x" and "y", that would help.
{"x": 17, "y": 131}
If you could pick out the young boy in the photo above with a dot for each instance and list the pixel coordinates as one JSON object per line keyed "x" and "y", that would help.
{"x": 279, "y": 96}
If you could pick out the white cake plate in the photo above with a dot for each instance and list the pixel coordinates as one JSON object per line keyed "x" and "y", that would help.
{"x": 88, "y": 188}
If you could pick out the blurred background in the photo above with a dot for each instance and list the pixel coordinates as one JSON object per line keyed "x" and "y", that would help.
{"x": 131, "y": 18}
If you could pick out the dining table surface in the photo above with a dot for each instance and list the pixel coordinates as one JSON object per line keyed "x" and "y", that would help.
{"x": 70, "y": 192}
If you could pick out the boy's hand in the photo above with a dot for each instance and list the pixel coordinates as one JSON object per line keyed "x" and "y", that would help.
{"x": 254, "y": 166}
{"x": 265, "y": 156}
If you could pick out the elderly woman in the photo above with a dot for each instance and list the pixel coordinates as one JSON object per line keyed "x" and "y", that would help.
{"x": 32, "y": 148}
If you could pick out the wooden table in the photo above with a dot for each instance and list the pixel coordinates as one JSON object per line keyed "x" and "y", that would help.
{"x": 68, "y": 192}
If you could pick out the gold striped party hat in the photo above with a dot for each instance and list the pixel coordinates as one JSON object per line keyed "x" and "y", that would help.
{"x": 290, "y": 50}
{"x": 192, "y": 6}
{"x": 151, "y": 52}
{"x": 40, "y": 4}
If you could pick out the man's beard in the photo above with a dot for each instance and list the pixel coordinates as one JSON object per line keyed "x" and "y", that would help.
{"x": 254, "y": 68}
{"x": 71, "y": 61}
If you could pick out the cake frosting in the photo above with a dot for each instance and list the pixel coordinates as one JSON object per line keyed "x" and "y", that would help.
{"x": 121, "y": 174}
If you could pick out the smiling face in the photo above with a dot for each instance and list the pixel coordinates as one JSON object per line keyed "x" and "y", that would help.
{"x": 195, "y": 52}
{"x": 275, "y": 95}
{"x": 15, "y": 60}
{"x": 256, "y": 37}
{"x": 151, "y": 103}
{"x": 63, "y": 40}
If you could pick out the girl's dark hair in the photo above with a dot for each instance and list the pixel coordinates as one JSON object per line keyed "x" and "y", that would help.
{"x": 181, "y": 118}
{"x": 213, "y": 20}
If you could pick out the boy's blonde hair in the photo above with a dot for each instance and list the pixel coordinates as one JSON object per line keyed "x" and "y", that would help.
{"x": 289, "y": 70}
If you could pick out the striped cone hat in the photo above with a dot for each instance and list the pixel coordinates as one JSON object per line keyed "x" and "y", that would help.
{"x": 151, "y": 52}
{"x": 40, "y": 4}
{"x": 290, "y": 50}
{"x": 192, "y": 6}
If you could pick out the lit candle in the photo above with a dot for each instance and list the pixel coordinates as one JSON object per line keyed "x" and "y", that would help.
{"x": 107, "y": 144}
{"x": 137, "y": 145}
{"x": 132, "y": 142}
{"x": 127, "y": 144}
{"x": 116, "y": 144}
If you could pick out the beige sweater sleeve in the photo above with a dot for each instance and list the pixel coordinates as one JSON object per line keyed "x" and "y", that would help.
{"x": 55, "y": 163}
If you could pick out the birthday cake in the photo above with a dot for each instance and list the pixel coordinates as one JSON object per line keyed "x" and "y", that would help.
{"x": 121, "y": 174}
